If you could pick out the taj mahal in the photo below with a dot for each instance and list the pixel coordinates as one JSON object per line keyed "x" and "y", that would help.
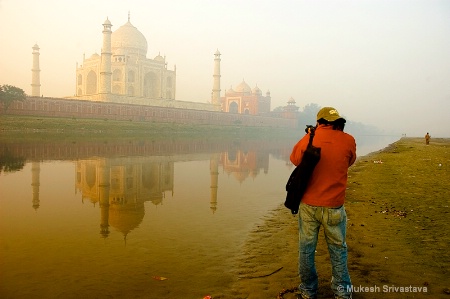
{"x": 123, "y": 69}
{"x": 123, "y": 74}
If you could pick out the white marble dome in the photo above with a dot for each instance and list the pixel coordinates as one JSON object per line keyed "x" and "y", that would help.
{"x": 130, "y": 39}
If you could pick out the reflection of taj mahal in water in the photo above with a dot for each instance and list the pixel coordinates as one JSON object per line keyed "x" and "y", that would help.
{"x": 120, "y": 186}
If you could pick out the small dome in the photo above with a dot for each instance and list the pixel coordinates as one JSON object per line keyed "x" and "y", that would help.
{"x": 107, "y": 22}
{"x": 159, "y": 58}
{"x": 256, "y": 90}
{"x": 94, "y": 56}
{"x": 129, "y": 38}
{"x": 243, "y": 87}
{"x": 240, "y": 175}
{"x": 229, "y": 91}
{"x": 291, "y": 100}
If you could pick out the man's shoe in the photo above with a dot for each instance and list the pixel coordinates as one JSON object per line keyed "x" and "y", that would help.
{"x": 300, "y": 295}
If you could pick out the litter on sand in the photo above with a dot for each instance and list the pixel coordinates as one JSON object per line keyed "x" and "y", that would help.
{"x": 159, "y": 278}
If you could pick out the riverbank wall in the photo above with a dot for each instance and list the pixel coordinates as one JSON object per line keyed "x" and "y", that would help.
{"x": 70, "y": 108}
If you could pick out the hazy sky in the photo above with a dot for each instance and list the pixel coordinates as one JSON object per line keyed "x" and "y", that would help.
{"x": 379, "y": 62}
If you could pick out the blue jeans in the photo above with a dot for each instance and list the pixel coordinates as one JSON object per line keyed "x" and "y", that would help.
{"x": 334, "y": 221}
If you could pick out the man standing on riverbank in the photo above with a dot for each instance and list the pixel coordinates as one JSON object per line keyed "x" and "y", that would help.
{"x": 323, "y": 203}
{"x": 427, "y": 139}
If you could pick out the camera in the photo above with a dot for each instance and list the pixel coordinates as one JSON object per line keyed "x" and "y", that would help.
{"x": 309, "y": 128}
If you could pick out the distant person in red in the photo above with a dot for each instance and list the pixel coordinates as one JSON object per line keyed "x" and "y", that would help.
{"x": 323, "y": 204}
{"x": 427, "y": 139}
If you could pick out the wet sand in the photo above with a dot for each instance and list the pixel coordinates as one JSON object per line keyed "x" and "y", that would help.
{"x": 397, "y": 232}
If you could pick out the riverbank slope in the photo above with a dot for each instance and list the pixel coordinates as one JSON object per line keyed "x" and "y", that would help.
{"x": 13, "y": 127}
{"x": 397, "y": 233}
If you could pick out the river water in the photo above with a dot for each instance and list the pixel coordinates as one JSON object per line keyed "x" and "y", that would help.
{"x": 135, "y": 219}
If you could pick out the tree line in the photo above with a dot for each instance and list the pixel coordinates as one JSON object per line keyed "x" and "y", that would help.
{"x": 10, "y": 94}
{"x": 307, "y": 117}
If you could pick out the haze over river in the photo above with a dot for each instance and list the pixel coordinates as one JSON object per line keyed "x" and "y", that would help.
{"x": 114, "y": 219}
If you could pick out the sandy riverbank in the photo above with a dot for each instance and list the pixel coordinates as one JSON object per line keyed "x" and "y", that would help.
{"x": 398, "y": 231}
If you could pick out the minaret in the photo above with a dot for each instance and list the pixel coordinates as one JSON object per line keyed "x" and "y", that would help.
{"x": 35, "y": 183}
{"x": 105, "y": 66}
{"x": 103, "y": 193}
{"x": 216, "y": 86}
{"x": 35, "y": 74}
{"x": 214, "y": 172}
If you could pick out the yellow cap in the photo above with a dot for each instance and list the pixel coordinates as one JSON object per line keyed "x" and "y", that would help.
{"x": 329, "y": 114}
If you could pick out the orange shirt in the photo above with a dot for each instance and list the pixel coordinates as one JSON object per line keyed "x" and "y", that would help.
{"x": 328, "y": 182}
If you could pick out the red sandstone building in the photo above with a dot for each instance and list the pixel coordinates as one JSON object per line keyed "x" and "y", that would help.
{"x": 244, "y": 100}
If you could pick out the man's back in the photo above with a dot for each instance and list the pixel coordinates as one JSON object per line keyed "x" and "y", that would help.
{"x": 322, "y": 205}
{"x": 328, "y": 182}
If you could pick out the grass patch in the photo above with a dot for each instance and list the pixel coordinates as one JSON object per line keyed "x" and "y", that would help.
{"x": 29, "y": 127}
{"x": 400, "y": 197}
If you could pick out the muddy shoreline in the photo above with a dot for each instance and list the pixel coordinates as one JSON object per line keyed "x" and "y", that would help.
{"x": 397, "y": 232}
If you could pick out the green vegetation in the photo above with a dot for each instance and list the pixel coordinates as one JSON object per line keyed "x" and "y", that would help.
{"x": 9, "y": 94}
{"x": 31, "y": 127}
{"x": 9, "y": 162}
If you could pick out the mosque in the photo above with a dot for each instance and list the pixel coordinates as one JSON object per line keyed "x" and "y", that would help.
{"x": 244, "y": 100}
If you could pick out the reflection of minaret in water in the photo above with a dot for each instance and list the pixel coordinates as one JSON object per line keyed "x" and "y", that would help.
{"x": 103, "y": 190}
{"x": 214, "y": 171}
{"x": 35, "y": 183}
